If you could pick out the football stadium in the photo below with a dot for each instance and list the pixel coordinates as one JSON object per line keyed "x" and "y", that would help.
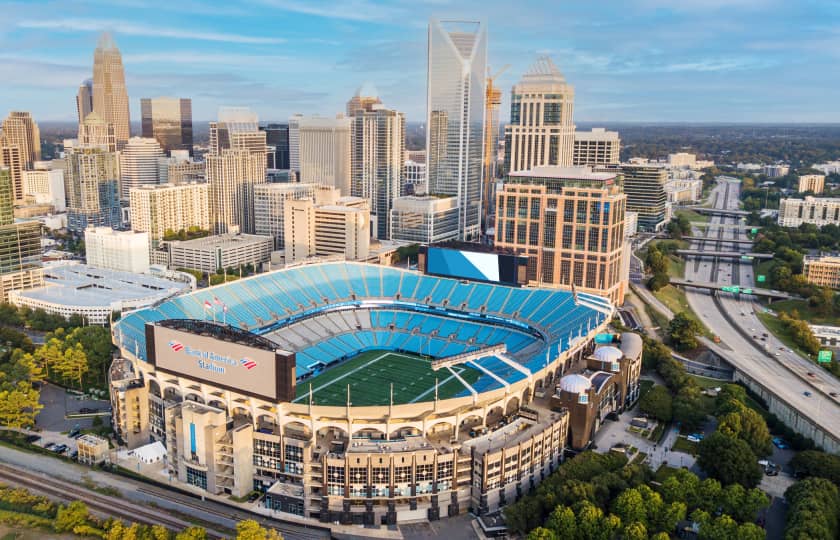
{"x": 367, "y": 394}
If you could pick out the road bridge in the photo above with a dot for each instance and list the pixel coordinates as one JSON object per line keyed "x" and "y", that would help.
{"x": 724, "y": 254}
{"x": 725, "y": 226}
{"x": 718, "y": 211}
{"x": 716, "y": 239}
{"x": 755, "y": 291}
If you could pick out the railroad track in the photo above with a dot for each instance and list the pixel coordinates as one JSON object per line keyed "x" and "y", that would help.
{"x": 110, "y": 506}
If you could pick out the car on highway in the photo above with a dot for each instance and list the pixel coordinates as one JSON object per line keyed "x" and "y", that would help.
{"x": 807, "y": 393}
{"x": 833, "y": 394}
{"x": 811, "y": 374}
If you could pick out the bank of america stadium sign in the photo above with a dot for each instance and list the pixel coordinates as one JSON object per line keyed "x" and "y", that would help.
{"x": 211, "y": 361}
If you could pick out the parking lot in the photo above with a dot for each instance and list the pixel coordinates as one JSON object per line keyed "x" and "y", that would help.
{"x": 52, "y": 425}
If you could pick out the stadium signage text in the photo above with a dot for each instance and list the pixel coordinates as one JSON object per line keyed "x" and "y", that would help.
{"x": 211, "y": 361}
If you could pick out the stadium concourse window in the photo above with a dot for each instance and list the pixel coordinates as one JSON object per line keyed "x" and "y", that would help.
{"x": 197, "y": 477}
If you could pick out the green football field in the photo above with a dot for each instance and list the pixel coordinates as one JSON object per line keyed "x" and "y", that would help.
{"x": 371, "y": 373}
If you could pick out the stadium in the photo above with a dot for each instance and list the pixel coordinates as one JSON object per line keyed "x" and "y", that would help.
{"x": 359, "y": 393}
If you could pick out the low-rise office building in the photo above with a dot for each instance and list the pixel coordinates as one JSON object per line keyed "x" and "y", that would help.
{"x": 596, "y": 148}
{"x": 822, "y": 271}
{"x": 219, "y": 251}
{"x": 92, "y": 449}
{"x": 815, "y": 183}
{"x": 424, "y": 219}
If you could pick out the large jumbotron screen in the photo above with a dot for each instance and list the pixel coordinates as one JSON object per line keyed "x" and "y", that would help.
{"x": 260, "y": 373}
{"x": 476, "y": 265}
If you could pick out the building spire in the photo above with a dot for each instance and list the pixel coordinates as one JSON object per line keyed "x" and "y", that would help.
{"x": 106, "y": 41}
{"x": 543, "y": 68}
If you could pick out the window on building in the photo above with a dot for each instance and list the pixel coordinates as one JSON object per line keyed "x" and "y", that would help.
{"x": 197, "y": 478}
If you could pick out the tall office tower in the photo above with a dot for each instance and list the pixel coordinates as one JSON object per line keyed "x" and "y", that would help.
{"x": 84, "y": 100}
{"x": 457, "y": 66}
{"x": 325, "y": 152}
{"x": 378, "y": 168}
{"x": 491, "y": 152}
{"x": 139, "y": 164}
{"x": 645, "y": 189}
{"x": 110, "y": 98}
{"x": 277, "y": 139}
{"x": 294, "y": 143}
{"x": 237, "y": 129}
{"x": 7, "y": 197}
{"x": 596, "y": 148}
{"x": 363, "y": 100}
{"x": 19, "y": 131}
{"x": 269, "y": 203}
{"x": 91, "y": 185}
{"x": 12, "y": 158}
{"x": 95, "y": 132}
{"x": 169, "y": 121}
{"x": 569, "y": 222}
{"x": 231, "y": 176}
{"x": 157, "y": 209}
{"x": 541, "y": 129}
{"x": 20, "y": 245}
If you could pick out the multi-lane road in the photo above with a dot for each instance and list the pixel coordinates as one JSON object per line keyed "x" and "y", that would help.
{"x": 795, "y": 380}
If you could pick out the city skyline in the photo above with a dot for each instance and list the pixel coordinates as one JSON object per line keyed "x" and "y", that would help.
{"x": 644, "y": 62}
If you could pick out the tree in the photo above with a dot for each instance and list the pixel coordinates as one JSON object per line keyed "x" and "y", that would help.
{"x": 541, "y": 533}
{"x": 750, "y": 427}
{"x": 74, "y": 364}
{"x": 69, "y": 518}
{"x": 657, "y": 403}
{"x": 562, "y": 522}
{"x": 813, "y": 511}
{"x": 729, "y": 459}
{"x": 682, "y": 332}
{"x": 635, "y": 531}
{"x": 816, "y": 463}
{"x": 19, "y": 406}
{"x": 630, "y": 507}
{"x": 251, "y": 530}
{"x": 721, "y": 528}
{"x": 688, "y": 407}
{"x": 159, "y": 532}
{"x": 192, "y": 533}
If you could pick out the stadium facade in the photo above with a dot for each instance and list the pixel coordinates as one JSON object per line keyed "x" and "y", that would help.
{"x": 365, "y": 394}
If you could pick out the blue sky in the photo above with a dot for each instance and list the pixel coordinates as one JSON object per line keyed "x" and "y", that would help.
{"x": 642, "y": 60}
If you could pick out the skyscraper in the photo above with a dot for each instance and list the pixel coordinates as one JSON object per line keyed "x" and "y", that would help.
{"x": 90, "y": 182}
{"x": 156, "y": 209}
{"x": 169, "y": 121}
{"x": 294, "y": 143}
{"x": 235, "y": 163}
{"x": 363, "y": 100}
{"x": 269, "y": 205}
{"x": 94, "y": 131}
{"x": 541, "y": 129}
{"x": 139, "y": 164}
{"x": 645, "y": 189}
{"x": 277, "y": 139}
{"x": 378, "y": 167}
{"x": 19, "y": 131}
{"x": 457, "y": 66}
{"x": 325, "y": 156}
{"x": 110, "y": 98}
{"x": 84, "y": 99}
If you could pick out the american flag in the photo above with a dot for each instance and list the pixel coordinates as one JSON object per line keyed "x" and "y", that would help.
{"x": 208, "y": 305}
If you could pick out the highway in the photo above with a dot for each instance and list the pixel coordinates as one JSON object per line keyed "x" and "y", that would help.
{"x": 733, "y": 318}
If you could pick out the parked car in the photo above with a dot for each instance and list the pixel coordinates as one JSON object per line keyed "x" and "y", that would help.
{"x": 87, "y": 410}
{"x": 33, "y": 438}
{"x": 75, "y": 433}
{"x": 60, "y": 449}
{"x": 49, "y": 446}
{"x": 780, "y": 443}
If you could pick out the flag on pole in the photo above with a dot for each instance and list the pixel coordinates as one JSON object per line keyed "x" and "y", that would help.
{"x": 207, "y": 305}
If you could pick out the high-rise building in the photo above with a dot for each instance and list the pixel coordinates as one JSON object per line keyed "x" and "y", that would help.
{"x": 169, "y": 121}
{"x": 19, "y": 131}
{"x": 7, "y": 197}
{"x": 91, "y": 185}
{"x": 46, "y": 186}
{"x": 20, "y": 244}
{"x": 415, "y": 178}
{"x": 424, "y": 219}
{"x": 277, "y": 139}
{"x": 596, "y": 148}
{"x": 569, "y": 222}
{"x": 95, "y": 132}
{"x": 326, "y": 226}
{"x": 363, "y": 100}
{"x": 84, "y": 100}
{"x": 819, "y": 211}
{"x": 815, "y": 183}
{"x": 325, "y": 152}
{"x": 645, "y": 189}
{"x": 294, "y": 143}
{"x": 180, "y": 168}
{"x": 110, "y": 97}
{"x": 457, "y": 65}
{"x": 232, "y": 176}
{"x": 378, "y": 168}
{"x": 139, "y": 164}
{"x": 169, "y": 207}
{"x": 117, "y": 250}
{"x": 269, "y": 204}
{"x": 238, "y": 128}
{"x": 491, "y": 144}
{"x": 541, "y": 130}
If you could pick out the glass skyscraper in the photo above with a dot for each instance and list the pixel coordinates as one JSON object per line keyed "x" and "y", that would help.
{"x": 169, "y": 120}
{"x": 455, "y": 116}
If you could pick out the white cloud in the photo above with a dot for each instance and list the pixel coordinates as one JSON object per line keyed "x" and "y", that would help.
{"x": 134, "y": 29}
{"x": 350, "y": 10}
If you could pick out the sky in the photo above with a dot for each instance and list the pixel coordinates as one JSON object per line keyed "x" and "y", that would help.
{"x": 629, "y": 61}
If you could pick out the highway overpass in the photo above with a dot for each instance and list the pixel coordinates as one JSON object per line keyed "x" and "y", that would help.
{"x": 716, "y": 239}
{"x": 723, "y": 254}
{"x": 755, "y": 291}
{"x": 718, "y": 211}
{"x": 725, "y": 226}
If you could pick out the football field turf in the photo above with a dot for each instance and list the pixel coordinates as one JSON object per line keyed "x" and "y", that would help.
{"x": 371, "y": 373}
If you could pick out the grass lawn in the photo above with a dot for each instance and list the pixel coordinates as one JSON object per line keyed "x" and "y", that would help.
{"x": 775, "y": 326}
{"x": 371, "y": 373}
{"x": 684, "y": 445}
{"x": 762, "y": 268}
{"x": 805, "y": 312}
{"x": 691, "y": 215}
{"x": 663, "y": 472}
{"x": 658, "y": 319}
{"x": 644, "y": 387}
{"x": 675, "y": 299}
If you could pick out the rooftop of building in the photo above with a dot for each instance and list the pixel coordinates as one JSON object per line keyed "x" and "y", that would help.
{"x": 222, "y": 241}
{"x": 832, "y": 258}
{"x": 597, "y": 134}
{"x": 83, "y": 285}
{"x": 564, "y": 173}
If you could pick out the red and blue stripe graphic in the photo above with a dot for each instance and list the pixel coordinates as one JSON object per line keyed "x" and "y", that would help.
{"x": 247, "y": 363}
{"x": 175, "y": 346}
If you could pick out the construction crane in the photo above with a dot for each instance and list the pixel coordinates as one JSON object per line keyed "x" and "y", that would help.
{"x": 492, "y": 102}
